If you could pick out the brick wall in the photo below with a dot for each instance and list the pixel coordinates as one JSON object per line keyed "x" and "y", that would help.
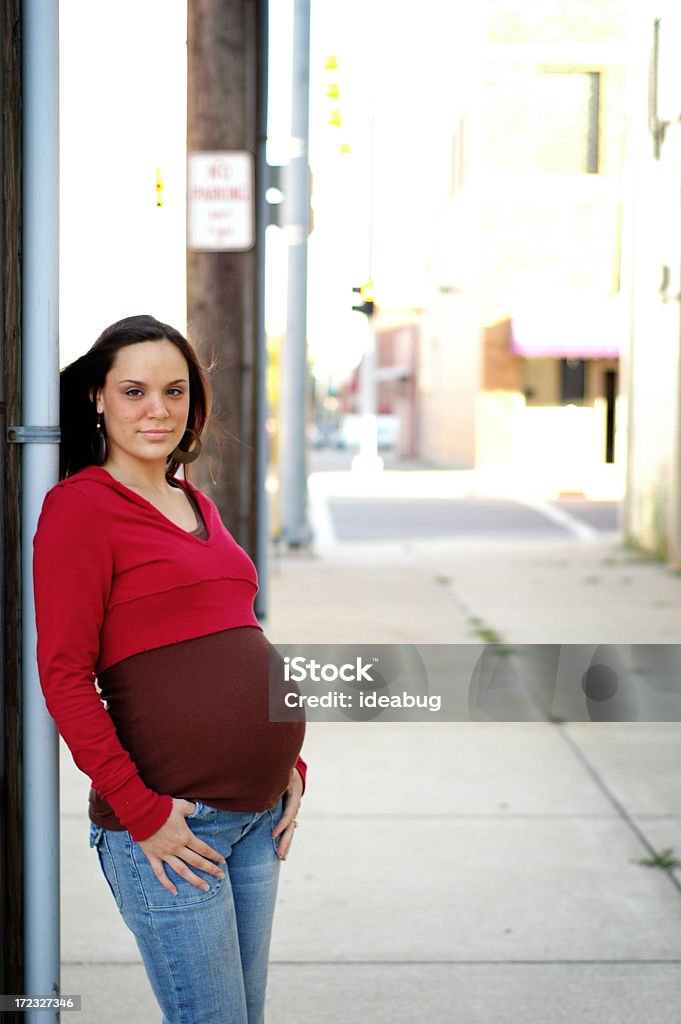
{"x": 500, "y": 366}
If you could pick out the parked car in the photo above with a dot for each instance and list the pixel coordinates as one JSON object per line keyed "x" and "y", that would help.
{"x": 323, "y": 434}
{"x": 387, "y": 429}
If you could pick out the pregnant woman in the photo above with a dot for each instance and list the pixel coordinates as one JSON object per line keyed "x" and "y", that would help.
{"x": 156, "y": 671}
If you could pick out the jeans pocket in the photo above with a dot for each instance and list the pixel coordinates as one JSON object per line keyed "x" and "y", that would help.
{"x": 155, "y": 896}
{"x": 198, "y": 810}
{"x": 98, "y": 841}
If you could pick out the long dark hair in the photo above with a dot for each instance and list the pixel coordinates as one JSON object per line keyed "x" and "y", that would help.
{"x": 78, "y": 413}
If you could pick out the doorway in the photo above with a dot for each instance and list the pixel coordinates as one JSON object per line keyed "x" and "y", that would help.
{"x": 610, "y": 393}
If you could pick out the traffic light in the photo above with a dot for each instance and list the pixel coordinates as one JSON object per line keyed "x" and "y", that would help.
{"x": 366, "y": 299}
{"x": 334, "y": 116}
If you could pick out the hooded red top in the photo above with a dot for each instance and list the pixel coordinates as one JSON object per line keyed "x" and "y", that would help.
{"x": 113, "y": 578}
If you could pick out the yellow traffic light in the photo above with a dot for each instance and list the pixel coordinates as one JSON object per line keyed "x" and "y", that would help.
{"x": 365, "y": 303}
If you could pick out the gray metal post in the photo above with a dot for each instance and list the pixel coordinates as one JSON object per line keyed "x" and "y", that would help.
{"x": 294, "y": 372}
{"x": 367, "y": 459}
{"x": 261, "y": 177}
{"x": 40, "y": 468}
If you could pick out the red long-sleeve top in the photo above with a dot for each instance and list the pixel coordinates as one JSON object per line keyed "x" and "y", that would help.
{"x": 113, "y": 578}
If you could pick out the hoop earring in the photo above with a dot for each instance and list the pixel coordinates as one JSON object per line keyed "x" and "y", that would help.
{"x": 180, "y": 455}
{"x": 99, "y": 447}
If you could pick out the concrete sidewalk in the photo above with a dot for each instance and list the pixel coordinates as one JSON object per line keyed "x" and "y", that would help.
{"x": 482, "y": 873}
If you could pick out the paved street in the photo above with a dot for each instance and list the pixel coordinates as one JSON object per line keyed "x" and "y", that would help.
{"x": 376, "y": 519}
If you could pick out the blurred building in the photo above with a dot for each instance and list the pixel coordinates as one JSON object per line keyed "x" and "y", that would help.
{"x": 398, "y": 344}
{"x": 522, "y": 339}
{"x": 383, "y": 110}
{"x": 653, "y": 236}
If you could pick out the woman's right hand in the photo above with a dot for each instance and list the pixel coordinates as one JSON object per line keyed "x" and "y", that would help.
{"x": 176, "y": 845}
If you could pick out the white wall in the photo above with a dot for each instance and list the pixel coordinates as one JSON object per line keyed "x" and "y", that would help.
{"x": 653, "y": 515}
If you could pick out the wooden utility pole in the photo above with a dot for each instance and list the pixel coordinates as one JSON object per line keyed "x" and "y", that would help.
{"x": 11, "y": 904}
{"x": 223, "y": 38}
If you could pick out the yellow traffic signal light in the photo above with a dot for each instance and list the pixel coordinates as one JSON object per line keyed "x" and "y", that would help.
{"x": 366, "y": 303}
{"x": 333, "y": 93}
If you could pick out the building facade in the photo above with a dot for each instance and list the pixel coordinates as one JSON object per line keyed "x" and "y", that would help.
{"x": 653, "y": 238}
{"x": 530, "y": 279}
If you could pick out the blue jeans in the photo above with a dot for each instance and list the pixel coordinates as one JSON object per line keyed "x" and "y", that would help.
{"x": 205, "y": 953}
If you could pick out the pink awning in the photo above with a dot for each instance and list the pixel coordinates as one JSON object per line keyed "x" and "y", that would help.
{"x": 569, "y": 326}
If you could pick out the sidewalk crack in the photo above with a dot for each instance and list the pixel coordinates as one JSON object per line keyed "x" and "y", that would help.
{"x": 612, "y": 799}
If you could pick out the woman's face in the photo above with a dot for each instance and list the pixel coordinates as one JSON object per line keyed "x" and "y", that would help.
{"x": 145, "y": 401}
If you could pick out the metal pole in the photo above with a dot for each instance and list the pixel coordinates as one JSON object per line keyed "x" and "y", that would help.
{"x": 293, "y": 405}
{"x": 40, "y": 469}
{"x": 261, "y": 504}
{"x": 367, "y": 459}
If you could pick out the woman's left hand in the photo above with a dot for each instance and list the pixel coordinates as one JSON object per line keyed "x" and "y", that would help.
{"x": 285, "y": 827}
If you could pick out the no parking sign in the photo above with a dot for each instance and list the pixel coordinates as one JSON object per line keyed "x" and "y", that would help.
{"x": 220, "y": 202}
